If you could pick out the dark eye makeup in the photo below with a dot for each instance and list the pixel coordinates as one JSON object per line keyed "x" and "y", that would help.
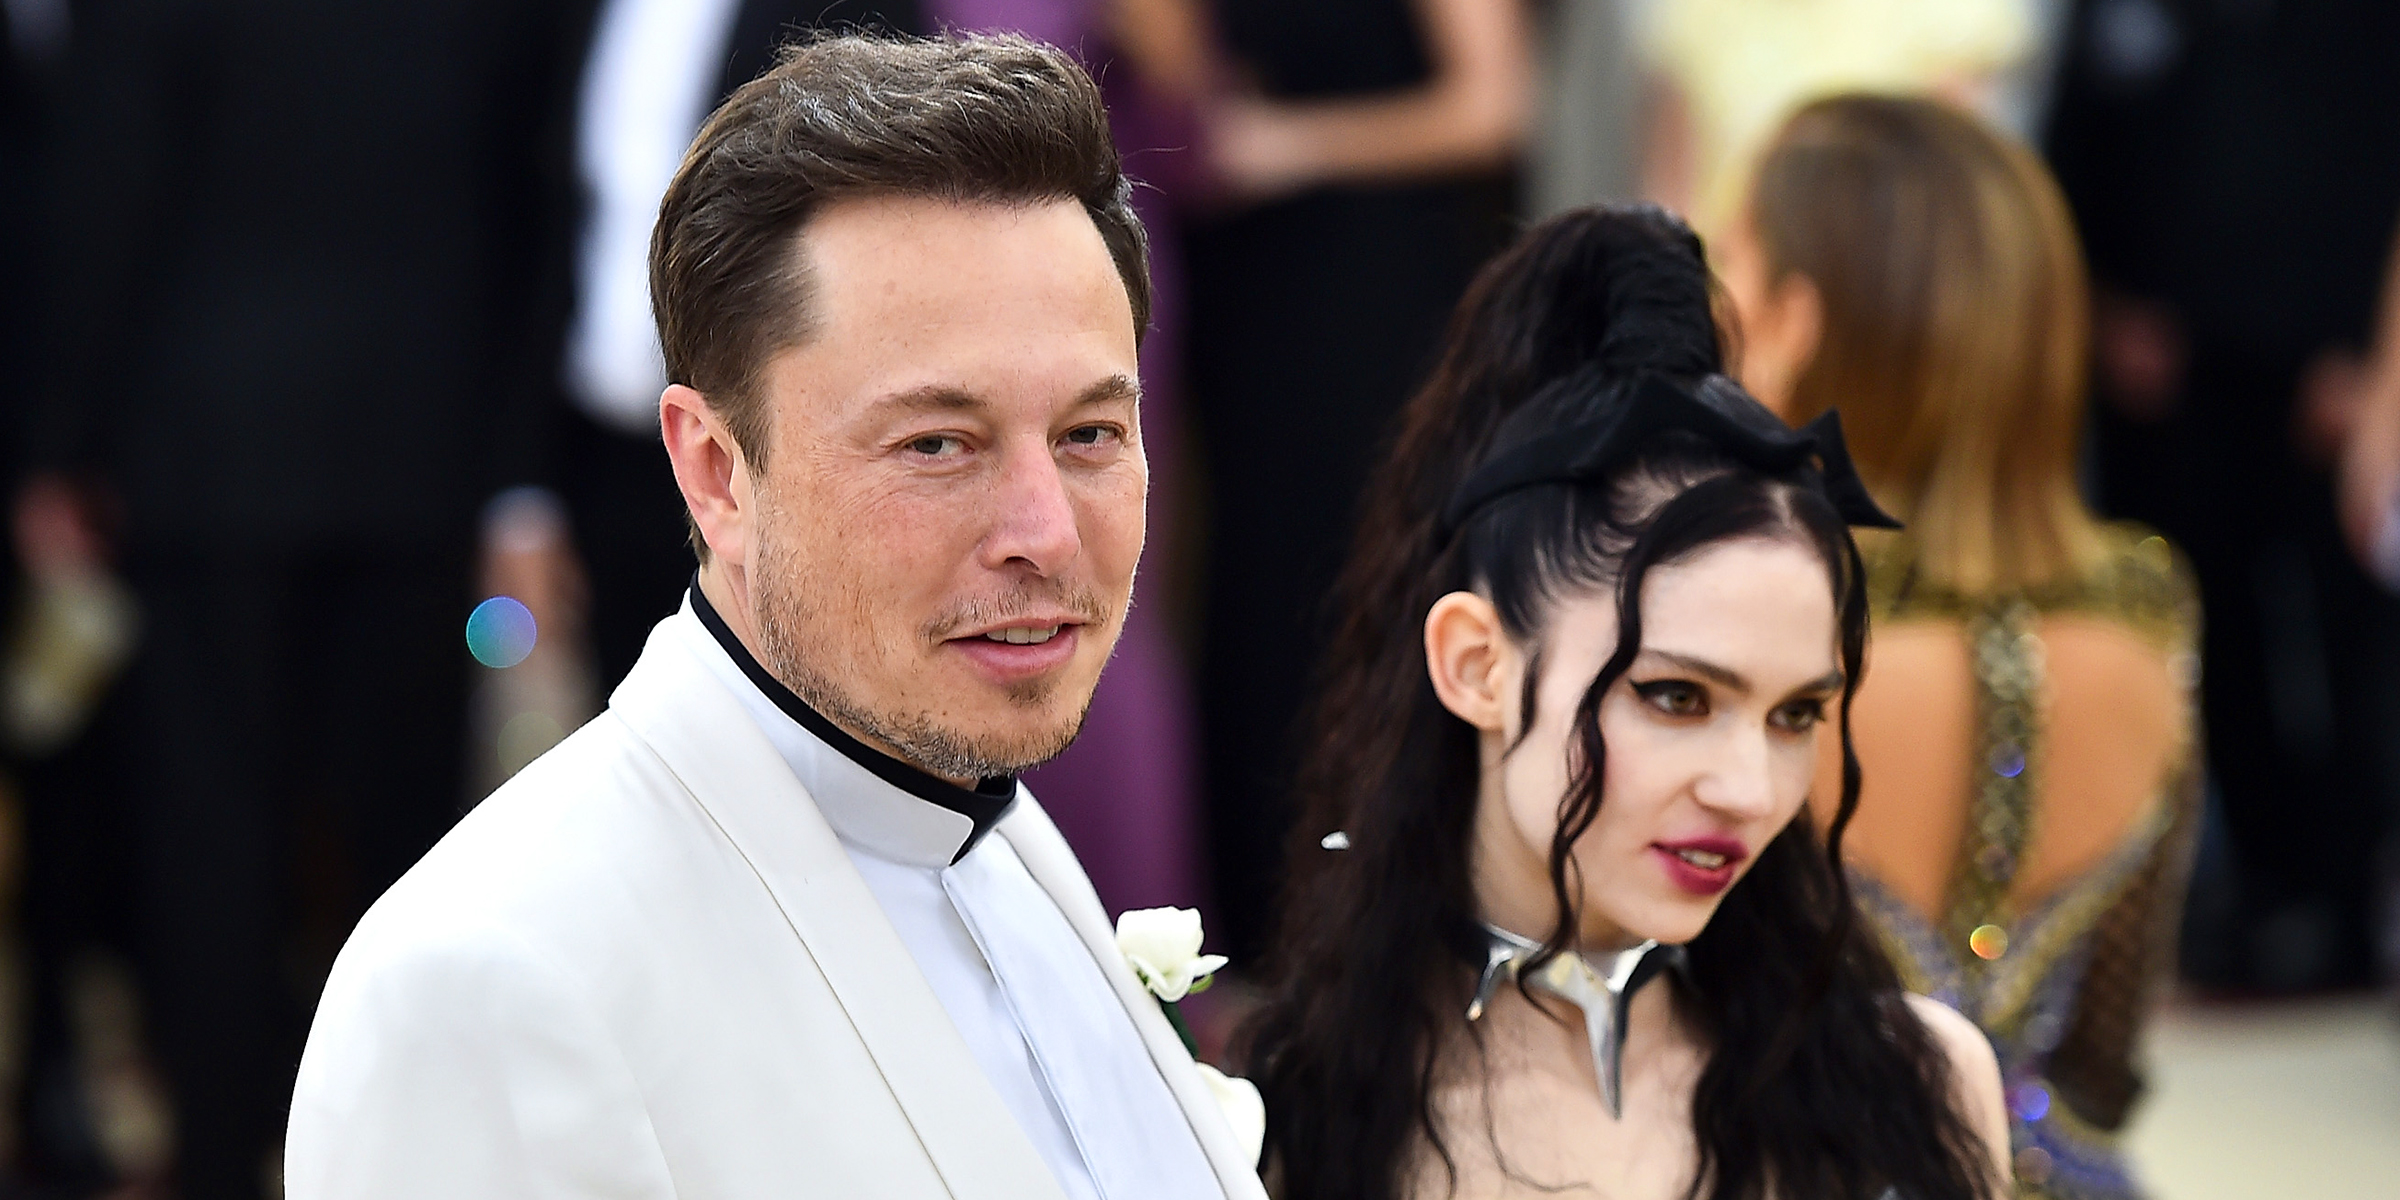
{"x": 1674, "y": 697}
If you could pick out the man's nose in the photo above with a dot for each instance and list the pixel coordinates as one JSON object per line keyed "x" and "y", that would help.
{"x": 1035, "y": 524}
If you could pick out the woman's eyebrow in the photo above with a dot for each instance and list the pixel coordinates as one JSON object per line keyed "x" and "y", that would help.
{"x": 1732, "y": 680}
{"x": 1726, "y": 677}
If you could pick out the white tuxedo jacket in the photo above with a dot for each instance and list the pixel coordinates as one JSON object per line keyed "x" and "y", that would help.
{"x": 646, "y": 968}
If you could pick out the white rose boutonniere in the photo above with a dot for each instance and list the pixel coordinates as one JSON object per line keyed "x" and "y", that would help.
{"x": 1162, "y": 945}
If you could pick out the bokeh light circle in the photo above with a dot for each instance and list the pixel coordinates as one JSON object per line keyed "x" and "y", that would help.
{"x": 1988, "y": 942}
{"x": 2031, "y": 1101}
{"x": 500, "y": 632}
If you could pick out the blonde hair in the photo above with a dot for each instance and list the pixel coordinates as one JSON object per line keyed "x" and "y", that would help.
{"x": 1955, "y": 328}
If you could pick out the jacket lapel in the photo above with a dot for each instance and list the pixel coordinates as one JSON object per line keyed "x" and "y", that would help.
{"x": 735, "y": 774}
{"x": 1053, "y": 865}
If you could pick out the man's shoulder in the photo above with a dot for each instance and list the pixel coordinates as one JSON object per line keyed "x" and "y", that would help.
{"x": 597, "y": 825}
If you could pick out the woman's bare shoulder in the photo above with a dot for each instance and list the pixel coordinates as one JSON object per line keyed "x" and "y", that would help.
{"x": 1974, "y": 1072}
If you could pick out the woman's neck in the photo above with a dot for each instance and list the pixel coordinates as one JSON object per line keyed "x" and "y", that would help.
{"x": 1512, "y": 882}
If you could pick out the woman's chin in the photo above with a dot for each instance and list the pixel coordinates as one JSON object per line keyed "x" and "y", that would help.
{"x": 1667, "y": 922}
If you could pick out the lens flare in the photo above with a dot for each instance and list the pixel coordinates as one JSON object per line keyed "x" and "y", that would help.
{"x": 524, "y": 739}
{"x": 1988, "y": 942}
{"x": 500, "y": 632}
{"x": 2031, "y": 1102}
{"x": 2008, "y": 761}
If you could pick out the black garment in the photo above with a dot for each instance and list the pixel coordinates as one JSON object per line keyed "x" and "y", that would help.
{"x": 2239, "y": 162}
{"x": 1311, "y": 321}
{"x": 302, "y": 256}
{"x": 66, "y": 803}
{"x": 302, "y": 748}
{"x": 628, "y": 516}
{"x": 984, "y": 804}
{"x": 302, "y": 253}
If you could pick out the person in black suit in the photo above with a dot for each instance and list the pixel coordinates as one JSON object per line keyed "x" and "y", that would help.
{"x": 654, "y": 70}
{"x": 2235, "y": 170}
{"x": 301, "y": 346}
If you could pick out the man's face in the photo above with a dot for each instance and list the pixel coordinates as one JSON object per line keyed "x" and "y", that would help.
{"x": 950, "y": 512}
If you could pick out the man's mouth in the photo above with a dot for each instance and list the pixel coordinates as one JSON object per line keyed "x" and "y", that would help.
{"x": 1028, "y": 635}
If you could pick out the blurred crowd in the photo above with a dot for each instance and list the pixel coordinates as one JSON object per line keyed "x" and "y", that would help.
{"x": 322, "y": 324}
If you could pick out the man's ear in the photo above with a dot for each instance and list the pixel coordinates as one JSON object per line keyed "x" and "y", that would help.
{"x": 1474, "y": 666}
{"x": 710, "y": 469}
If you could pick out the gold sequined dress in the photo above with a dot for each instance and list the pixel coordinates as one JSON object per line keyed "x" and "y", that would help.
{"x": 2063, "y": 986}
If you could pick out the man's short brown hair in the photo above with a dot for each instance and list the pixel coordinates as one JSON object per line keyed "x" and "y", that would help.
{"x": 998, "y": 119}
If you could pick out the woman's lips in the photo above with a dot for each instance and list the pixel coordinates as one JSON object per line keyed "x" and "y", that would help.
{"x": 1701, "y": 866}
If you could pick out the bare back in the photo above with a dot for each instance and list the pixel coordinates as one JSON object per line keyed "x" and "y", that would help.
{"x": 2026, "y": 814}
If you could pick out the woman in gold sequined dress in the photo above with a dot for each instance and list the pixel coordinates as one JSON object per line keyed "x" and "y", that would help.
{"x": 2024, "y": 831}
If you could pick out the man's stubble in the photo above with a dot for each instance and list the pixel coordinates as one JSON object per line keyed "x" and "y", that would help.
{"x": 810, "y": 628}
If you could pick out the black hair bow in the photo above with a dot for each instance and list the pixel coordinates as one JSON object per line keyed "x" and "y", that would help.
{"x": 1716, "y": 410}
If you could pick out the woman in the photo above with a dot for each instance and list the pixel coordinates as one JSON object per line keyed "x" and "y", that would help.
{"x": 2026, "y": 825}
{"x": 1601, "y": 602}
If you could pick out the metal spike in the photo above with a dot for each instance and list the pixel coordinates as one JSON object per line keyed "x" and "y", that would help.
{"x": 1604, "y": 993}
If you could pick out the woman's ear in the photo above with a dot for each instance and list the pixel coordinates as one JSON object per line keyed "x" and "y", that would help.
{"x": 1473, "y": 664}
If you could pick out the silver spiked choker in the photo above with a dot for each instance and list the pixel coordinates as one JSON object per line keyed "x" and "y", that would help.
{"x": 1602, "y": 986}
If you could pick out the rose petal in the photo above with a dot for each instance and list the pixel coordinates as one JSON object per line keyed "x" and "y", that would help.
{"x": 1244, "y": 1110}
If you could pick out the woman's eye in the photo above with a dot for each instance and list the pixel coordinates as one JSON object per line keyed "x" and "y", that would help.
{"x": 934, "y": 445}
{"x": 1673, "y": 697}
{"x": 1800, "y": 716}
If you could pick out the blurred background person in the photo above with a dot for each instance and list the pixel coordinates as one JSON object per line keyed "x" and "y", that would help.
{"x": 299, "y": 251}
{"x": 68, "y": 629}
{"x": 1724, "y": 74}
{"x": 653, "y": 71}
{"x": 2026, "y": 730}
{"x": 2235, "y": 170}
{"x": 1354, "y": 162}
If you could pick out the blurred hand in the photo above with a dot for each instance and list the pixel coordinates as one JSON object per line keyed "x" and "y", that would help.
{"x": 55, "y": 533}
{"x": 2142, "y": 355}
{"x": 2326, "y": 412}
{"x": 1255, "y": 149}
{"x": 528, "y": 555}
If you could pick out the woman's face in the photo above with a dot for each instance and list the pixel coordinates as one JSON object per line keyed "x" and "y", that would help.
{"x": 1711, "y": 743}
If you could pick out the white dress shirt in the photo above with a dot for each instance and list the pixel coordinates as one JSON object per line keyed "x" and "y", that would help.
{"x": 1015, "y": 978}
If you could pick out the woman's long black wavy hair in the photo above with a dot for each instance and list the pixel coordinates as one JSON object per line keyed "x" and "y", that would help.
{"x": 1820, "y": 1084}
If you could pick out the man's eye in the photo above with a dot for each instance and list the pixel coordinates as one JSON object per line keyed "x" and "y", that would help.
{"x": 1674, "y": 697}
{"x": 1092, "y": 435}
{"x": 933, "y": 445}
{"x": 1800, "y": 716}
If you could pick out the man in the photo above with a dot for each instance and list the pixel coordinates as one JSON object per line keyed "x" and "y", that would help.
{"x": 780, "y": 921}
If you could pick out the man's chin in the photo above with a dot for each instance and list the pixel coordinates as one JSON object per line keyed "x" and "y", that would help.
{"x": 984, "y": 728}
{"x": 979, "y": 752}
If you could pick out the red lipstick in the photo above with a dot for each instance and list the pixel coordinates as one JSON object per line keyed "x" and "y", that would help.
{"x": 1719, "y": 861}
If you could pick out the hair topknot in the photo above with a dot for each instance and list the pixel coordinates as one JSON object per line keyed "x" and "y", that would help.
{"x": 1624, "y": 289}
